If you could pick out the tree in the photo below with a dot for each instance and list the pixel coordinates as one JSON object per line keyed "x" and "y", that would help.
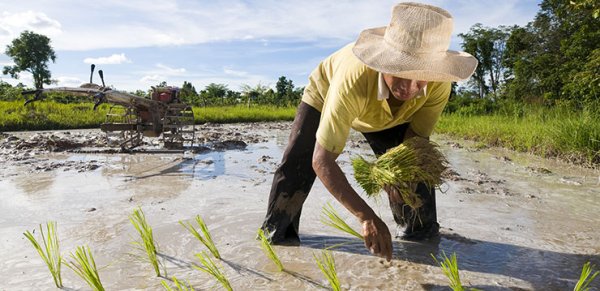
{"x": 31, "y": 52}
{"x": 215, "y": 92}
{"x": 188, "y": 93}
{"x": 253, "y": 93}
{"x": 487, "y": 45}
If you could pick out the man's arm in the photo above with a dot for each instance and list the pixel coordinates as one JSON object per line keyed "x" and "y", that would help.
{"x": 375, "y": 232}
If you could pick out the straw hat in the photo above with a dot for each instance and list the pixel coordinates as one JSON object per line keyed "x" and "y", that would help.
{"x": 415, "y": 46}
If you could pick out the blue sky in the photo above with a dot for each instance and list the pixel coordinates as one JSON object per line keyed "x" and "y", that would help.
{"x": 139, "y": 43}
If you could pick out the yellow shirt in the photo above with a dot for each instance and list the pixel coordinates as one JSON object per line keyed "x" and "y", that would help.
{"x": 345, "y": 91}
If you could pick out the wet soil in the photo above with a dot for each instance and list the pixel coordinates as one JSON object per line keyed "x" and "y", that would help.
{"x": 516, "y": 222}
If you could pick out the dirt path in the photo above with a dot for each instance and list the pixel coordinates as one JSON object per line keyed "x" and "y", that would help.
{"x": 515, "y": 221}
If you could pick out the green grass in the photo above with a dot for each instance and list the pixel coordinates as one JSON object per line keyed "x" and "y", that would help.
{"x": 209, "y": 267}
{"x": 204, "y": 238}
{"x": 330, "y": 217}
{"x": 50, "y": 115}
{"x": 138, "y": 219}
{"x": 179, "y": 286}
{"x": 326, "y": 264}
{"x": 556, "y": 132}
{"x": 50, "y": 252}
{"x": 84, "y": 266}
{"x": 240, "y": 113}
{"x": 586, "y": 278}
{"x": 269, "y": 251}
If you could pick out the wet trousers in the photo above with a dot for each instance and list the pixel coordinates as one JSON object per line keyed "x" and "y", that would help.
{"x": 295, "y": 176}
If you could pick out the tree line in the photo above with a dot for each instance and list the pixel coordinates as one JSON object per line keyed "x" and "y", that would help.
{"x": 553, "y": 60}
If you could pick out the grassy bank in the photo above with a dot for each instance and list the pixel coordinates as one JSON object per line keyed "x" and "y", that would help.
{"x": 556, "y": 132}
{"x": 48, "y": 115}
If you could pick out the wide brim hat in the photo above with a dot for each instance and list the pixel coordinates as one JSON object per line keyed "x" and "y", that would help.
{"x": 415, "y": 46}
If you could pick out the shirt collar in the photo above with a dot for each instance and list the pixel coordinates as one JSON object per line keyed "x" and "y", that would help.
{"x": 383, "y": 92}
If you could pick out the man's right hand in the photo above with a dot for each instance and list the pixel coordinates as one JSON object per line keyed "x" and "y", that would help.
{"x": 377, "y": 237}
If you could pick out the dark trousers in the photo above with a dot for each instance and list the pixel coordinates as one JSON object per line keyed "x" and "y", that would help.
{"x": 295, "y": 176}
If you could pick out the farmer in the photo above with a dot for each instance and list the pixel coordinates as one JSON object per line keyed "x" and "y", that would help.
{"x": 391, "y": 84}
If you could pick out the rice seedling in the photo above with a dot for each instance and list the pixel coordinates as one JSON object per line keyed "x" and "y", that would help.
{"x": 416, "y": 160}
{"x": 85, "y": 267}
{"x": 179, "y": 286}
{"x": 586, "y": 278}
{"x": 268, "y": 249}
{"x": 50, "y": 253}
{"x": 326, "y": 263}
{"x": 450, "y": 269}
{"x": 205, "y": 237}
{"x": 138, "y": 219}
{"x": 208, "y": 266}
{"x": 331, "y": 218}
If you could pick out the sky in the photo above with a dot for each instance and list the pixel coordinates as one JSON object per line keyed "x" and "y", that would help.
{"x": 140, "y": 43}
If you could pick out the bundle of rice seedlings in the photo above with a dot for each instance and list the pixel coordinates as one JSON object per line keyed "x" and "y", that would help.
{"x": 416, "y": 160}
{"x": 204, "y": 238}
{"x": 586, "y": 278}
{"x": 50, "y": 253}
{"x": 179, "y": 286}
{"x": 208, "y": 266}
{"x": 85, "y": 267}
{"x": 326, "y": 263}
{"x": 268, "y": 249}
{"x": 331, "y": 218}
{"x": 138, "y": 219}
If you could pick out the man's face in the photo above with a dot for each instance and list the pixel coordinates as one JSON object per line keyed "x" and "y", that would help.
{"x": 403, "y": 89}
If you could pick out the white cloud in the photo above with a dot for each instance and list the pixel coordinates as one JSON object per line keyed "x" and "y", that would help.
{"x": 229, "y": 71}
{"x": 113, "y": 59}
{"x": 12, "y": 24}
{"x": 153, "y": 79}
{"x": 64, "y": 81}
{"x": 166, "y": 70}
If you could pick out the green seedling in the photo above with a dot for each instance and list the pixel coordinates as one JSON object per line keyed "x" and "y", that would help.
{"x": 326, "y": 263}
{"x": 208, "y": 266}
{"x": 50, "y": 252}
{"x": 179, "y": 286}
{"x": 331, "y": 218}
{"x": 416, "y": 160}
{"x": 85, "y": 267}
{"x": 450, "y": 269}
{"x": 586, "y": 278}
{"x": 205, "y": 237}
{"x": 268, "y": 249}
{"x": 138, "y": 219}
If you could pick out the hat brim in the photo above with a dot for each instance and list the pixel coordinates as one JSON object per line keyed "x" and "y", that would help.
{"x": 448, "y": 66}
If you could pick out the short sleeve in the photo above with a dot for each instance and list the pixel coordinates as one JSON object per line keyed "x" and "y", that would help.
{"x": 424, "y": 120}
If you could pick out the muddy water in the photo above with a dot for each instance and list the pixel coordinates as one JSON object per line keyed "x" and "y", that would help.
{"x": 516, "y": 222}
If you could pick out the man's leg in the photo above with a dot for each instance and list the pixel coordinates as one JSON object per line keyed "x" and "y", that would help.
{"x": 293, "y": 179}
{"x": 422, "y": 222}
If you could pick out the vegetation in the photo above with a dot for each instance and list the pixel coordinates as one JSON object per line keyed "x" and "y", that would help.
{"x": 204, "y": 238}
{"x": 450, "y": 268}
{"x": 331, "y": 218}
{"x": 35, "y": 63}
{"x": 268, "y": 249}
{"x": 416, "y": 160}
{"x": 209, "y": 267}
{"x": 586, "y": 278}
{"x": 179, "y": 286}
{"x": 50, "y": 252}
{"x": 85, "y": 267}
{"x": 138, "y": 219}
{"x": 326, "y": 264}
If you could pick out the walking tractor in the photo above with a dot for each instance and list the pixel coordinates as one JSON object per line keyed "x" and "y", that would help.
{"x": 131, "y": 117}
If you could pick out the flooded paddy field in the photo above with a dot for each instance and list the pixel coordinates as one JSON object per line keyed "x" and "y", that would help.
{"x": 516, "y": 222}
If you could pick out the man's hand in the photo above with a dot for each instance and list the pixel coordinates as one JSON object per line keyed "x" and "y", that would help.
{"x": 377, "y": 237}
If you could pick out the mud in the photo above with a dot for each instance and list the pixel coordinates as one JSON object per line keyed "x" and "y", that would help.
{"x": 516, "y": 222}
